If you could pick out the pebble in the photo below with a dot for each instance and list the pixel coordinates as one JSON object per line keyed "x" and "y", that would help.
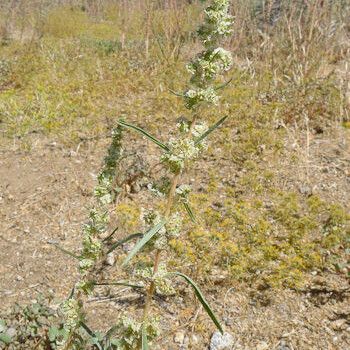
{"x": 305, "y": 189}
{"x": 221, "y": 341}
{"x": 194, "y": 339}
{"x": 228, "y": 321}
{"x": 127, "y": 247}
{"x": 283, "y": 345}
{"x": 262, "y": 346}
{"x": 179, "y": 337}
{"x": 11, "y": 332}
{"x": 339, "y": 324}
{"x": 185, "y": 343}
{"x": 110, "y": 259}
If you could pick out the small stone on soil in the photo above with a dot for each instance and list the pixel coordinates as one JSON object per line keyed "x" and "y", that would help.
{"x": 221, "y": 341}
{"x": 179, "y": 337}
{"x": 262, "y": 346}
{"x": 110, "y": 259}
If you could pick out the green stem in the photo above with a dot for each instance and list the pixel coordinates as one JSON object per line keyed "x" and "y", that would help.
{"x": 169, "y": 205}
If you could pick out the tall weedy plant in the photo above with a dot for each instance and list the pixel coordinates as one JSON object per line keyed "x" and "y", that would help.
{"x": 160, "y": 227}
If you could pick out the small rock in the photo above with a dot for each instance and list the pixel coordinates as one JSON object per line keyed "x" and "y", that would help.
{"x": 19, "y": 278}
{"x": 185, "y": 343}
{"x": 339, "y": 324}
{"x": 179, "y": 337}
{"x": 305, "y": 190}
{"x": 11, "y": 332}
{"x": 228, "y": 321}
{"x": 221, "y": 341}
{"x": 283, "y": 345}
{"x": 262, "y": 346}
{"x": 194, "y": 339}
{"x": 135, "y": 188}
{"x": 127, "y": 247}
{"x": 110, "y": 260}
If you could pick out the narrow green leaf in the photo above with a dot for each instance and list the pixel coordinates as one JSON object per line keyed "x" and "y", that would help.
{"x": 110, "y": 332}
{"x": 201, "y": 298}
{"x": 189, "y": 211}
{"x": 64, "y": 250}
{"x": 144, "y": 338}
{"x": 144, "y": 133}
{"x": 176, "y": 93}
{"x": 210, "y": 130}
{"x": 109, "y": 237}
{"x": 146, "y": 237}
{"x": 122, "y": 241}
{"x": 87, "y": 329}
{"x": 223, "y": 85}
{"x": 91, "y": 334}
{"x": 71, "y": 293}
{"x": 125, "y": 284}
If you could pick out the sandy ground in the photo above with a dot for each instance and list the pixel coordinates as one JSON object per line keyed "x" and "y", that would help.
{"x": 44, "y": 194}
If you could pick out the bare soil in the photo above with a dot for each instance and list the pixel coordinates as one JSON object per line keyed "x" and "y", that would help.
{"x": 44, "y": 194}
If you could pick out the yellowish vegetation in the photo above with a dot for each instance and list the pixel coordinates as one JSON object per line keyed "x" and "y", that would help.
{"x": 82, "y": 72}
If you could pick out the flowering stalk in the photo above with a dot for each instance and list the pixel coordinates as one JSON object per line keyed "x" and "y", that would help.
{"x": 178, "y": 154}
{"x": 94, "y": 232}
{"x": 205, "y": 67}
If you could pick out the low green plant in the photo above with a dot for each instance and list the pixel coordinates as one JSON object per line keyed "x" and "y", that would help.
{"x": 27, "y": 327}
{"x": 178, "y": 154}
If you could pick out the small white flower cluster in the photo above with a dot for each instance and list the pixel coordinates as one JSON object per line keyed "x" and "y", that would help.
{"x": 183, "y": 192}
{"x": 184, "y": 148}
{"x": 162, "y": 282}
{"x": 154, "y": 190}
{"x": 199, "y": 129}
{"x": 98, "y": 216}
{"x": 212, "y": 61}
{"x": 197, "y": 95}
{"x": 91, "y": 251}
{"x": 218, "y": 23}
{"x": 104, "y": 192}
{"x": 72, "y": 313}
{"x": 208, "y": 64}
{"x": 91, "y": 242}
{"x": 196, "y": 131}
{"x": 86, "y": 286}
{"x": 85, "y": 264}
{"x": 160, "y": 278}
{"x": 97, "y": 224}
{"x": 183, "y": 126}
{"x": 172, "y": 227}
{"x": 181, "y": 150}
{"x": 129, "y": 332}
{"x": 161, "y": 187}
{"x": 151, "y": 218}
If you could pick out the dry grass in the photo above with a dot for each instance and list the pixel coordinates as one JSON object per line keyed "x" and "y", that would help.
{"x": 280, "y": 215}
